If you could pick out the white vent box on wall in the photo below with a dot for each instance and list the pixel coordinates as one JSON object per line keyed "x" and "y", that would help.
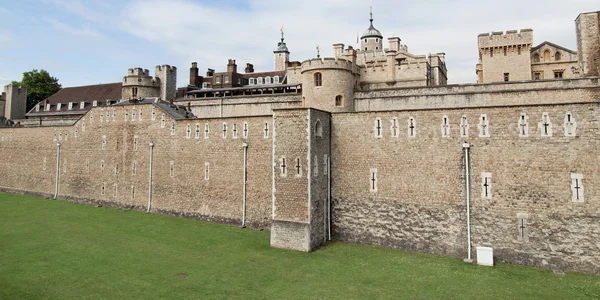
{"x": 485, "y": 256}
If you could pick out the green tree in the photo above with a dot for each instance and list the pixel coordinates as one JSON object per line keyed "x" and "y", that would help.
{"x": 40, "y": 85}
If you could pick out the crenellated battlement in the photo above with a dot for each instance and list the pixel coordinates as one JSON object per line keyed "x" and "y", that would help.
{"x": 508, "y": 38}
{"x": 138, "y": 72}
{"x": 165, "y": 67}
{"x": 329, "y": 63}
{"x": 139, "y": 77}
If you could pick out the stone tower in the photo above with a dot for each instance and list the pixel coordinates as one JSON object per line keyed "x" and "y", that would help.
{"x": 588, "y": 43}
{"x": 328, "y": 84}
{"x": 167, "y": 77}
{"x": 15, "y": 102}
{"x": 504, "y": 56}
{"x": 281, "y": 55}
{"x": 139, "y": 84}
{"x": 371, "y": 39}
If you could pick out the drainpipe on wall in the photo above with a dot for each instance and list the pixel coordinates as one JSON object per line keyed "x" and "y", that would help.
{"x": 329, "y": 197}
{"x": 57, "y": 169}
{"x": 245, "y": 146}
{"x": 466, "y": 147}
{"x": 150, "y": 179}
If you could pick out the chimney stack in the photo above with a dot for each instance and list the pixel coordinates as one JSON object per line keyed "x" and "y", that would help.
{"x": 249, "y": 68}
{"x": 194, "y": 75}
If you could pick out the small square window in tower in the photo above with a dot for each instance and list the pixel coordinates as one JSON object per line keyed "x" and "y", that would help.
{"x": 576, "y": 187}
{"x": 377, "y": 128}
{"x": 445, "y": 126}
{"x": 464, "y": 126}
{"x": 318, "y": 129}
{"x": 103, "y": 189}
{"x": 114, "y": 116}
{"x": 163, "y": 121}
{"x": 570, "y": 125}
{"x": 339, "y": 101}
{"x": 412, "y": 127}
{"x": 188, "y": 131}
{"x": 206, "y": 131}
{"x": 315, "y": 166}
{"x": 523, "y": 125}
{"x": 83, "y": 124}
{"x": 394, "y": 129}
{"x": 102, "y": 166}
{"x": 224, "y": 130}
{"x": 172, "y": 128}
{"x": 318, "y": 79}
{"x": 558, "y": 74}
{"x": 484, "y": 126}
{"x": 197, "y": 135}
{"x": 545, "y": 126}
{"x": 506, "y": 76}
{"x": 126, "y": 115}
{"x": 153, "y": 114}
{"x": 486, "y": 185}
{"x": 133, "y": 114}
{"x": 101, "y": 116}
{"x": 135, "y": 143}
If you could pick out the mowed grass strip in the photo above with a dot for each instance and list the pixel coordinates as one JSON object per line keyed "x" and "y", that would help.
{"x": 59, "y": 250}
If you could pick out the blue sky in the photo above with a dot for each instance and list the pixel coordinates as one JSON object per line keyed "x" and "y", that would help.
{"x": 89, "y": 42}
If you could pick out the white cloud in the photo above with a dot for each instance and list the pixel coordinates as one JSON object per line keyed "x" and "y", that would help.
{"x": 211, "y": 33}
{"x": 82, "y": 31}
{"x": 78, "y": 8}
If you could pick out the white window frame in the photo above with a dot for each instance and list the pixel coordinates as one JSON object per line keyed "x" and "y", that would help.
{"x": 251, "y": 81}
{"x": 70, "y": 106}
{"x": 82, "y": 105}
{"x": 577, "y": 181}
{"x": 276, "y": 79}
{"x": 488, "y": 176}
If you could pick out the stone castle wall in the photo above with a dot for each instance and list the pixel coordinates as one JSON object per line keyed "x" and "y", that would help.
{"x": 418, "y": 202}
{"x": 108, "y": 161}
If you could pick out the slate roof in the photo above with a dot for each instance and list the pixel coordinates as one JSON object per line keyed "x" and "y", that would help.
{"x": 78, "y": 94}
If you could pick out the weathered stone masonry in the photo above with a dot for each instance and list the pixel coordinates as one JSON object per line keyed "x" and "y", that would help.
{"x": 391, "y": 185}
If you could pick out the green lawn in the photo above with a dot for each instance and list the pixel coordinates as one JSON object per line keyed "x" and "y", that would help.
{"x": 59, "y": 250}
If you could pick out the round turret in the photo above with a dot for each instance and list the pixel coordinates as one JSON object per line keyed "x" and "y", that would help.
{"x": 328, "y": 84}
{"x": 371, "y": 39}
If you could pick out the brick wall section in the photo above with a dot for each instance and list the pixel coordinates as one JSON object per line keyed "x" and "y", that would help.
{"x": 511, "y": 94}
{"x": 420, "y": 201}
{"x": 300, "y": 200}
{"x": 240, "y": 105}
{"x": 319, "y": 150}
{"x": 185, "y": 193}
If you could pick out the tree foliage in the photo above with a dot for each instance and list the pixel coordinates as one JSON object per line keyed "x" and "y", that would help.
{"x": 40, "y": 85}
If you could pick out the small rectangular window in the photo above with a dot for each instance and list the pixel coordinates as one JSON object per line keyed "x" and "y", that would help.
{"x": 70, "y": 107}
{"x": 373, "y": 181}
{"x": 506, "y": 76}
{"x": 206, "y": 171}
{"x": 576, "y": 187}
{"x": 558, "y": 74}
